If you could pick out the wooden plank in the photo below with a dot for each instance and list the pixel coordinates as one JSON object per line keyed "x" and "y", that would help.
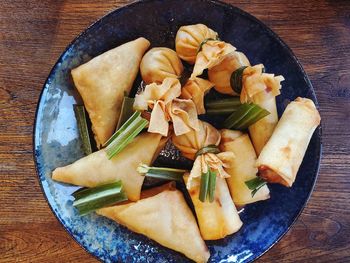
{"x": 34, "y": 33}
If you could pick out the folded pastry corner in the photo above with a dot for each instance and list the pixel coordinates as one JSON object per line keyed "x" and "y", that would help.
{"x": 164, "y": 216}
{"x": 103, "y": 81}
{"x": 96, "y": 169}
{"x": 189, "y": 39}
{"x": 280, "y": 159}
{"x": 256, "y": 81}
{"x": 195, "y": 89}
{"x": 212, "y": 53}
{"x": 166, "y": 106}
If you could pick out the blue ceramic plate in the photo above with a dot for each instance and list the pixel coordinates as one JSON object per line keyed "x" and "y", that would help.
{"x": 56, "y": 140}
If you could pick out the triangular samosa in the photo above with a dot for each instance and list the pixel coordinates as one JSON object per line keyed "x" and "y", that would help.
{"x": 103, "y": 81}
{"x": 163, "y": 216}
{"x": 95, "y": 169}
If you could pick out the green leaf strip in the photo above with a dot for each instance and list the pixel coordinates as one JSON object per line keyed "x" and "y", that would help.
{"x": 255, "y": 184}
{"x": 164, "y": 173}
{"x": 236, "y": 79}
{"x": 205, "y": 41}
{"x": 208, "y": 149}
{"x": 126, "y": 111}
{"x": 246, "y": 115}
{"x": 212, "y": 186}
{"x": 80, "y": 115}
{"x": 204, "y": 186}
{"x": 127, "y": 132}
{"x": 226, "y": 103}
{"x": 207, "y": 186}
{"x": 222, "y": 106}
{"x": 88, "y": 200}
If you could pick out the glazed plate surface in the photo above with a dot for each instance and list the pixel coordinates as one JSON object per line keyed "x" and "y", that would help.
{"x": 57, "y": 143}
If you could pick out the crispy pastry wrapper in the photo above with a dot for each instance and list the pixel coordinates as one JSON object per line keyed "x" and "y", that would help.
{"x": 191, "y": 142}
{"x": 220, "y": 75}
{"x": 219, "y": 218}
{"x": 281, "y": 157}
{"x": 189, "y": 38}
{"x": 261, "y": 131}
{"x": 195, "y": 89}
{"x": 96, "y": 169}
{"x": 165, "y": 105}
{"x": 255, "y": 82}
{"x": 164, "y": 216}
{"x": 211, "y": 54}
{"x": 242, "y": 167}
{"x": 160, "y": 63}
{"x": 103, "y": 81}
{"x": 261, "y": 89}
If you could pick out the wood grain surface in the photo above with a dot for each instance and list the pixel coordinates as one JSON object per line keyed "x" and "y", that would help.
{"x": 34, "y": 33}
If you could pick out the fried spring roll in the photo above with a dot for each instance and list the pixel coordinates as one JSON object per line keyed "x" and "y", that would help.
{"x": 219, "y": 218}
{"x": 261, "y": 88}
{"x": 262, "y": 130}
{"x": 242, "y": 167}
{"x": 280, "y": 159}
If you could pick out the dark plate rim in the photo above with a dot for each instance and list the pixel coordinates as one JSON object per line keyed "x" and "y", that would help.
{"x": 215, "y": 2}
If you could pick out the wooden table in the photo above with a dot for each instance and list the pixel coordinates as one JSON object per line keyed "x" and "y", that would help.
{"x": 34, "y": 33}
